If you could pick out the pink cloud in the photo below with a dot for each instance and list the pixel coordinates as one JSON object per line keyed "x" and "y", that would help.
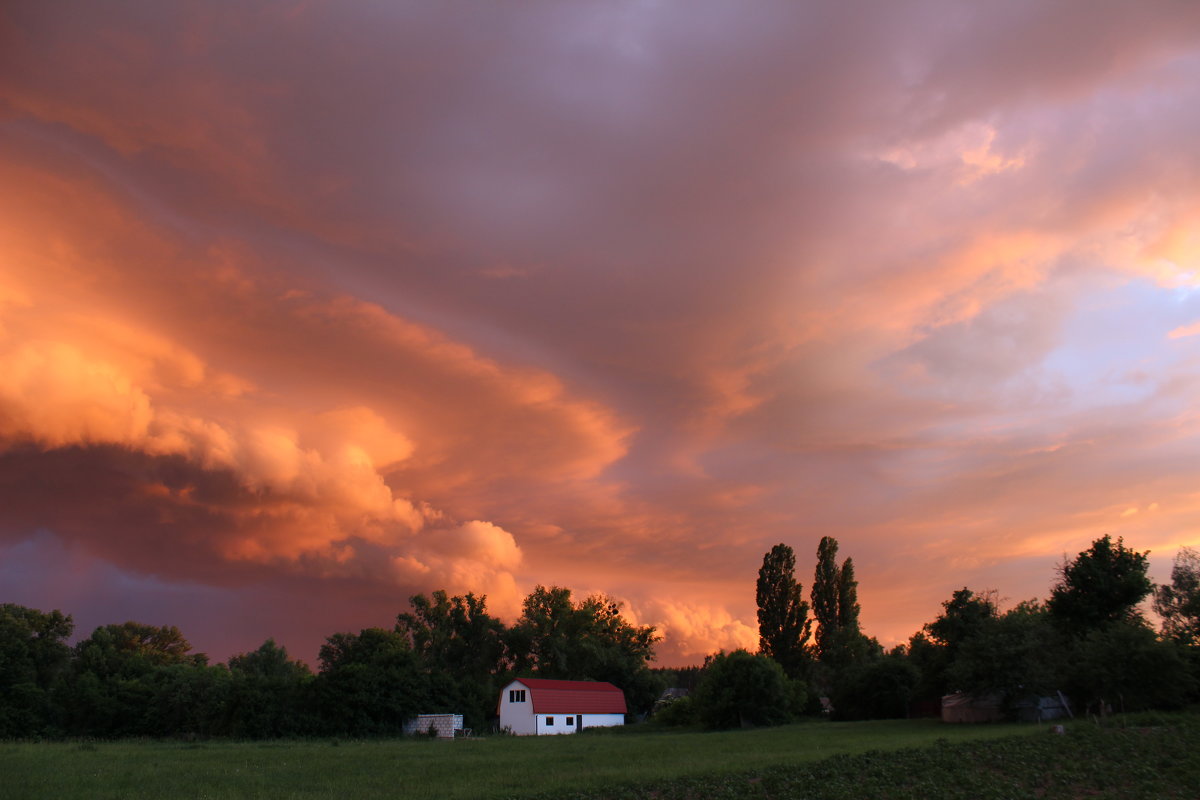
{"x": 403, "y": 298}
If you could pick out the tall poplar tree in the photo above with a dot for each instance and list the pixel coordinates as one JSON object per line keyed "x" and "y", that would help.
{"x": 839, "y": 641}
{"x": 783, "y": 624}
{"x": 848, "y": 607}
{"x": 825, "y": 594}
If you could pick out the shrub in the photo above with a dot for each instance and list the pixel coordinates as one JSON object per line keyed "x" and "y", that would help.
{"x": 740, "y": 689}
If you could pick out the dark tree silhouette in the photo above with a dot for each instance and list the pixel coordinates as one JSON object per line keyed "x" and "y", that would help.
{"x": 740, "y": 689}
{"x": 1178, "y": 603}
{"x": 1102, "y": 584}
{"x": 825, "y": 595}
{"x": 783, "y": 624}
{"x": 839, "y": 640}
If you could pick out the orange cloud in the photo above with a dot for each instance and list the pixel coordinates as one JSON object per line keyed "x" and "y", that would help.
{"x": 405, "y": 306}
{"x": 1185, "y": 330}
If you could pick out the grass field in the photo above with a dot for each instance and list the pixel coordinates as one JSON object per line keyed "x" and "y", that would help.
{"x": 777, "y": 762}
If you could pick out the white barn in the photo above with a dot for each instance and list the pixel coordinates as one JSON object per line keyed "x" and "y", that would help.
{"x": 540, "y": 707}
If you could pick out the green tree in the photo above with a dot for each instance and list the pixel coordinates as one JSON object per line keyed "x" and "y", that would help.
{"x": 1018, "y": 653}
{"x": 113, "y": 689}
{"x": 589, "y": 640}
{"x": 185, "y": 699}
{"x": 1122, "y": 664}
{"x": 932, "y": 660}
{"x": 268, "y": 694}
{"x": 34, "y": 656}
{"x": 1102, "y": 584}
{"x": 1178, "y": 603}
{"x": 825, "y": 595}
{"x": 933, "y": 650}
{"x": 839, "y": 640}
{"x": 848, "y": 608}
{"x": 783, "y": 624}
{"x": 740, "y": 689}
{"x": 369, "y": 683}
{"x": 964, "y": 615}
{"x": 461, "y": 647}
{"x": 879, "y": 688}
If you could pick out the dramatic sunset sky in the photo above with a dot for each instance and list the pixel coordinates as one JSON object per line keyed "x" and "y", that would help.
{"x": 309, "y": 306}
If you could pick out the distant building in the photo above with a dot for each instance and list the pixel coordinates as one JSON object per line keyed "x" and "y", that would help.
{"x": 539, "y": 707}
{"x": 444, "y": 726}
{"x": 963, "y": 707}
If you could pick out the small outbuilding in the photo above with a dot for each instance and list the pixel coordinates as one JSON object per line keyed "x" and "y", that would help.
{"x": 540, "y": 707}
{"x": 1037, "y": 708}
{"x": 443, "y": 726}
{"x": 963, "y": 707}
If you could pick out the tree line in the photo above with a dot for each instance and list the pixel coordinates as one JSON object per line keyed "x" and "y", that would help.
{"x": 444, "y": 655}
{"x": 1089, "y": 640}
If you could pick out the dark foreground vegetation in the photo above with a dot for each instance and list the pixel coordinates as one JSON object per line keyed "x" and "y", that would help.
{"x": 1121, "y": 757}
{"x": 1146, "y": 758}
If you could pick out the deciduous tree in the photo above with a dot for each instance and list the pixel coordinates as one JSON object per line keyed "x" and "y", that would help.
{"x": 879, "y": 688}
{"x": 268, "y": 693}
{"x": 33, "y": 657}
{"x": 462, "y": 649}
{"x": 120, "y": 679}
{"x": 370, "y": 683}
{"x": 1102, "y": 584}
{"x": 589, "y": 640}
{"x": 1178, "y": 603}
{"x": 740, "y": 689}
{"x": 964, "y": 615}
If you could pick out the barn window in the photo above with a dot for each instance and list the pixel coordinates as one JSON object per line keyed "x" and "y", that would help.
{"x": 570, "y": 721}
{"x": 549, "y": 720}
{"x": 516, "y": 695}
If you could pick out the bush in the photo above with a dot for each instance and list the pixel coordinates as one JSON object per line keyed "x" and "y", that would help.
{"x": 678, "y": 712}
{"x": 744, "y": 690}
{"x": 879, "y": 689}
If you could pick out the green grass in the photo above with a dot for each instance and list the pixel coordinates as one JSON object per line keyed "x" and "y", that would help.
{"x": 496, "y": 767}
{"x": 1149, "y": 758}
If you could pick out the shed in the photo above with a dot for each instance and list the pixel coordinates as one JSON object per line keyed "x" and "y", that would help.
{"x": 444, "y": 726}
{"x": 540, "y": 707}
{"x": 962, "y": 707}
{"x": 1039, "y": 708}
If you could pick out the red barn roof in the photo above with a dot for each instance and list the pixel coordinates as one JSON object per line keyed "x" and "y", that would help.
{"x": 574, "y": 697}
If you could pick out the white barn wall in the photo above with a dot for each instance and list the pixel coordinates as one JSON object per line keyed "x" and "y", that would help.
{"x": 559, "y": 726}
{"x": 544, "y": 728}
{"x": 517, "y": 717}
{"x": 602, "y": 720}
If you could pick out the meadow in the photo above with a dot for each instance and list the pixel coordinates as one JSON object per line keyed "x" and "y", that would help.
{"x": 626, "y": 763}
{"x": 490, "y": 767}
{"x": 1155, "y": 756}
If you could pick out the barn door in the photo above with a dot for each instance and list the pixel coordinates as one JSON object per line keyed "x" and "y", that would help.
{"x": 578, "y": 722}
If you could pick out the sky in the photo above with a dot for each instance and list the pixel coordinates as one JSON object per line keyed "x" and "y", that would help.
{"x": 308, "y": 306}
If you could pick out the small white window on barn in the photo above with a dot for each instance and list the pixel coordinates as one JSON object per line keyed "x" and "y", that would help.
{"x": 549, "y": 720}
{"x": 570, "y": 721}
{"x": 516, "y": 695}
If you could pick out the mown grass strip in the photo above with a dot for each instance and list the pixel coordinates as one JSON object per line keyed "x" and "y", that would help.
{"x": 1156, "y": 759}
{"x": 487, "y": 769}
